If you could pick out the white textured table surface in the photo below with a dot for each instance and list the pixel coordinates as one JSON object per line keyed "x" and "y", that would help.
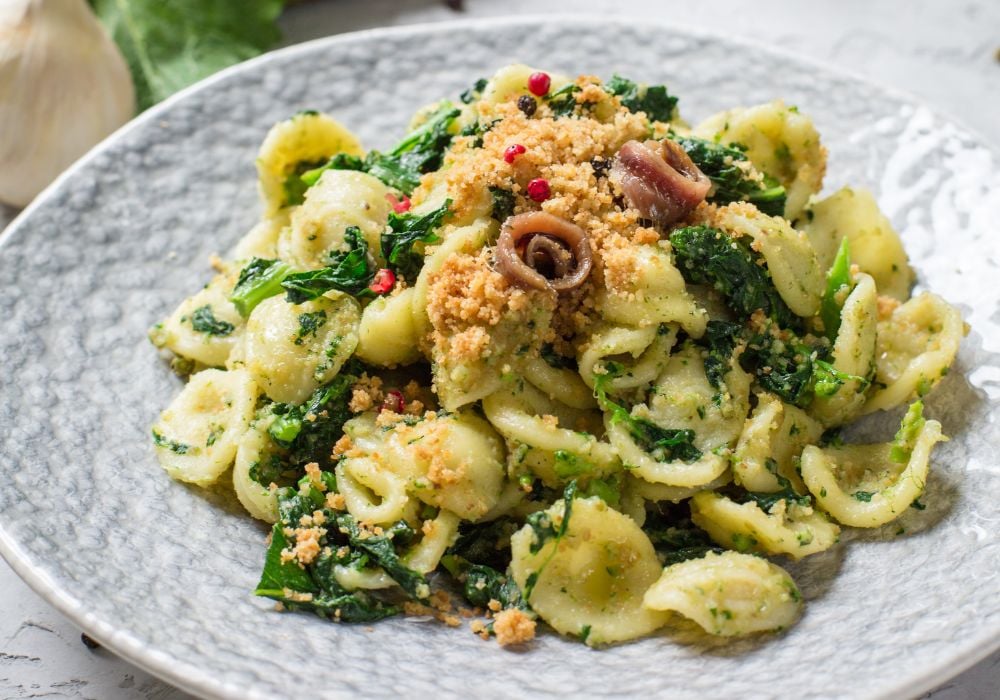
{"x": 946, "y": 52}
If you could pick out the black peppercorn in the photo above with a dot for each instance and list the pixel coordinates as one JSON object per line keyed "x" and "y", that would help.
{"x": 527, "y": 104}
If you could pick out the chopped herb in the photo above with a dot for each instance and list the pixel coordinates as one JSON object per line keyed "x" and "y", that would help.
{"x": 743, "y": 542}
{"x": 174, "y": 446}
{"x": 309, "y": 323}
{"x": 863, "y": 496}
{"x": 204, "y": 321}
{"x": 918, "y": 505}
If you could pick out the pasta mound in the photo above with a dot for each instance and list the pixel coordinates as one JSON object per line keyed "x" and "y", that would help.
{"x": 564, "y": 349}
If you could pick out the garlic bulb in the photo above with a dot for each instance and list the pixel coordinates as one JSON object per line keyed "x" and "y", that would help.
{"x": 64, "y": 86}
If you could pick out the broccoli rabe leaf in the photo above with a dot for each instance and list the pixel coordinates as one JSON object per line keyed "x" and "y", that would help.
{"x": 404, "y": 230}
{"x": 731, "y": 182}
{"x": 838, "y": 285}
{"x": 383, "y": 553}
{"x": 827, "y": 379}
{"x": 341, "y": 161}
{"x": 910, "y": 427}
{"x": 675, "y": 538}
{"x": 654, "y": 100}
{"x": 312, "y": 587}
{"x": 708, "y": 256}
{"x": 278, "y": 574}
{"x": 473, "y": 93}
{"x": 545, "y": 530}
{"x": 203, "y": 321}
{"x": 295, "y": 185}
{"x": 421, "y": 151}
{"x": 562, "y": 102}
{"x": 663, "y": 444}
{"x": 485, "y": 543}
{"x": 555, "y": 360}
{"x": 783, "y": 363}
{"x": 258, "y": 280}
{"x": 349, "y": 271}
{"x": 786, "y": 492}
{"x": 503, "y": 203}
{"x": 721, "y": 337}
{"x": 309, "y": 430}
{"x": 178, "y": 448}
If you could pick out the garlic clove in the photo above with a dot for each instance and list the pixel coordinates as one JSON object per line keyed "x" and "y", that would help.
{"x": 64, "y": 86}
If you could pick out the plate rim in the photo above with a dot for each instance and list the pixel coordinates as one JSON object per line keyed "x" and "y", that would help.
{"x": 170, "y": 669}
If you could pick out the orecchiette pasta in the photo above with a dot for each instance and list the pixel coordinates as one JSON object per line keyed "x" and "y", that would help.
{"x": 728, "y": 594}
{"x": 875, "y": 245}
{"x": 197, "y": 436}
{"x": 560, "y": 347}
{"x": 289, "y": 356}
{"x": 915, "y": 348}
{"x": 787, "y": 527}
{"x": 591, "y": 581}
{"x": 871, "y": 485}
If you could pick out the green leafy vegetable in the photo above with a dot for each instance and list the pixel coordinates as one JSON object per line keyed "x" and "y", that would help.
{"x": 545, "y": 530}
{"x": 178, "y": 448}
{"x": 783, "y": 363}
{"x": 721, "y": 337}
{"x": 838, "y": 285}
{"x": 503, "y": 203}
{"x": 562, "y": 102}
{"x": 309, "y": 323}
{"x": 314, "y": 586}
{"x": 382, "y": 551}
{"x": 827, "y": 379}
{"x": 259, "y": 280}
{"x": 654, "y": 100}
{"x": 295, "y": 185}
{"x": 204, "y": 321}
{"x": 309, "y": 430}
{"x": 555, "y": 360}
{"x": 708, "y": 256}
{"x": 863, "y": 496}
{"x": 676, "y": 538}
{"x": 663, "y": 444}
{"x": 909, "y": 429}
{"x": 169, "y": 45}
{"x": 404, "y": 230}
{"x": 727, "y": 168}
{"x": 421, "y": 151}
{"x": 475, "y": 92}
{"x": 349, "y": 271}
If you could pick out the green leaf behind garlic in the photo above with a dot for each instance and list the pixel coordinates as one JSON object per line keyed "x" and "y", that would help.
{"x": 64, "y": 86}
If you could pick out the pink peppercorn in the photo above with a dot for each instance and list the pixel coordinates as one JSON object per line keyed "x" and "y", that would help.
{"x": 398, "y": 205}
{"x": 538, "y": 189}
{"x": 539, "y": 83}
{"x": 513, "y": 152}
{"x": 383, "y": 281}
{"x": 393, "y": 401}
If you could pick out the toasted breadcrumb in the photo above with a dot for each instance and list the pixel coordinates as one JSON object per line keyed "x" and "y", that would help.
{"x": 513, "y": 626}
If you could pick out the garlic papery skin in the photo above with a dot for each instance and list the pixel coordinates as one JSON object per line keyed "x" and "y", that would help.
{"x": 64, "y": 86}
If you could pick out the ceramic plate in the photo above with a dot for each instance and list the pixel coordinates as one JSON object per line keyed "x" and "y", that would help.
{"x": 161, "y": 573}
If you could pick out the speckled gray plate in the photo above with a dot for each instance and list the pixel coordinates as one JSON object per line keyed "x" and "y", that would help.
{"x": 162, "y": 573}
